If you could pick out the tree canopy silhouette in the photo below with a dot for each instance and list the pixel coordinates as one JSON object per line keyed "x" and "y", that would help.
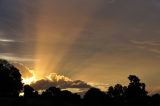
{"x": 28, "y": 91}
{"x": 10, "y": 80}
{"x": 94, "y": 96}
{"x": 136, "y": 89}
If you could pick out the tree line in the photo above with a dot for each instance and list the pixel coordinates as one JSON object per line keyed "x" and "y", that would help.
{"x": 134, "y": 94}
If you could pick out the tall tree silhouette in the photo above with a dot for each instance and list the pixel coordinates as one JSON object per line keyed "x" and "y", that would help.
{"x": 136, "y": 89}
{"x": 136, "y": 93}
{"x": 10, "y": 79}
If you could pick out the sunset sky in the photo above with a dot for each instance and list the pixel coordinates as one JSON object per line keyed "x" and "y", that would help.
{"x": 97, "y": 41}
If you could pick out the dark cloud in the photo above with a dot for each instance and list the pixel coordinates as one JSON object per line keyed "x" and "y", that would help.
{"x": 59, "y": 81}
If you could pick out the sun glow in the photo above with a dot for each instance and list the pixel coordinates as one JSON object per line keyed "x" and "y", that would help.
{"x": 30, "y": 79}
{"x": 52, "y": 46}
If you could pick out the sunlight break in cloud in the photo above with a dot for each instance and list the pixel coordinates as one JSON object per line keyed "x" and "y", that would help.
{"x": 54, "y": 76}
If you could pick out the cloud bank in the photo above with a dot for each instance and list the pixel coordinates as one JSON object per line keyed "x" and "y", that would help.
{"x": 52, "y": 79}
{"x": 59, "y": 81}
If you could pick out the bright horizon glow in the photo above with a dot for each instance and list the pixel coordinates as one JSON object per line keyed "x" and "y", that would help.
{"x": 28, "y": 81}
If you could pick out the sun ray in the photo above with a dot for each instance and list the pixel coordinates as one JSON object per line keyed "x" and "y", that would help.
{"x": 56, "y": 37}
{"x": 28, "y": 81}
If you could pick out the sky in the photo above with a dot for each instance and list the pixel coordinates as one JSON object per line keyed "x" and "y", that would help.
{"x": 97, "y": 41}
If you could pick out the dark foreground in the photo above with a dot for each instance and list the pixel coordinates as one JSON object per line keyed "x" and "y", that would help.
{"x": 150, "y": 101}
{"x": 93, "y": 97}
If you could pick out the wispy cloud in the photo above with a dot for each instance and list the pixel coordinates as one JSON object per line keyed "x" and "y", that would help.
{"x": 7, "y": 40}
{"x": 11, "y": 57}
{"x": 155, "y": 50}
{"x": 151, "y": 43}
{"x": 150, "y": 46}
{"x": 24, "y": 70}
{"x": 3, "y": 40}
{"x": 102, "y": 86}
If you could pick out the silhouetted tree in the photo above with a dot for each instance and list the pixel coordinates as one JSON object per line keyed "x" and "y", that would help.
{"x": 95, "y": 96}
{"x": 155, "y": 100}
{"x": 28, "y": 91}
{"x": 10, "y": 79}
{"x": 52, "y": 92}
{"x": 116, "y": 92}
{"x": 136, "y": 93}
{"x": 60, "y": 97}
{"x": 136, "y": 89}
{"x": 110, "y": 92}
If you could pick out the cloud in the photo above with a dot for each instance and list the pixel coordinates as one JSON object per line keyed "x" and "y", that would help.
{"x": 102, "y": 86}
{"x": 151, "y": 43}
{"x": 7, "y": 40}
{"x": 59, "y": 81}
{"x": 55, "y": 77}
{"x": 150, "y": 46}
{"x": 4, "y": 40}
{"x": 56, "y": 80}
{"x": 155, "y": 51}
{"x": 18, "y": 59}
{"x": 25, "y": 71}
{"x": 12, "y": 57}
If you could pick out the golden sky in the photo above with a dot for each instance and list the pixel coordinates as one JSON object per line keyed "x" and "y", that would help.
{"x": 101, "y": 41}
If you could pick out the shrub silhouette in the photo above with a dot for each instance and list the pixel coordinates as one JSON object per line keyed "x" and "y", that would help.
{"x": 10, "y": 80}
